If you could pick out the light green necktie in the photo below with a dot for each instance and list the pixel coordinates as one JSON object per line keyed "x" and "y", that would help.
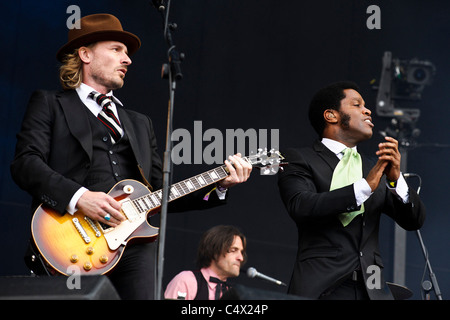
{"x": 347, "y": 172}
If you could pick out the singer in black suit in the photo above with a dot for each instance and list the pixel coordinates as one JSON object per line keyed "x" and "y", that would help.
{"x": 333, "y": 261}
{"x": 66, "y": 160}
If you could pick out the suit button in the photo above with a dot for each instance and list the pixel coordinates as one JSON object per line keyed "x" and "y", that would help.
{"x": 105, "y": 139}
{"x": 360, "y": 254}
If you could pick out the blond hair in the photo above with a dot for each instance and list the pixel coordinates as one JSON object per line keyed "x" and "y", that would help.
{"x": 70, "y": 72}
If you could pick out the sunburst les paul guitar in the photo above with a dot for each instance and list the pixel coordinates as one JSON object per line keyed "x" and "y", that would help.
{"x": 75, "y": 241}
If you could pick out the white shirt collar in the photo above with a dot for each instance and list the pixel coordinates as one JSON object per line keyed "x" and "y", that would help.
{"x": 84, "y": 91}
{"x": 335, "y": 146}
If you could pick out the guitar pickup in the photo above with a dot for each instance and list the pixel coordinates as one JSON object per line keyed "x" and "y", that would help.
{"x": 93, "y": 226}
{"x": 130, "y": 211}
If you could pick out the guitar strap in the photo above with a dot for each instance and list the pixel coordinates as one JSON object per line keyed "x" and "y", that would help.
{"x": 149, "y": 186}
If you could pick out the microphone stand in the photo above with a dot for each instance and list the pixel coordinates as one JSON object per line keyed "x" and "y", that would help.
{"x": 434, "y": 283}
{"x": 172, "y": 72}
{"x": 426, "y": 285}
{"x": 405, "y": 133}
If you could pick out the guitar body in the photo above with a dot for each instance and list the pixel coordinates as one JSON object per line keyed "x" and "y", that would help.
{"x": 70, "y": 243}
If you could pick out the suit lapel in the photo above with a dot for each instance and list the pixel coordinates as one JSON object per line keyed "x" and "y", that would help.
{"x": 128, "y": 127}
{"x": 328, "y": 156}
{"x": 77, "y": 120}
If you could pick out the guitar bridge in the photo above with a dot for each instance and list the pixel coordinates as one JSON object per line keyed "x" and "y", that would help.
{"x": 81, "y": 230}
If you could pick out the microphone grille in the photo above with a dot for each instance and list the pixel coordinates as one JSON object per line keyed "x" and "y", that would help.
{"x": 251, "y": 272}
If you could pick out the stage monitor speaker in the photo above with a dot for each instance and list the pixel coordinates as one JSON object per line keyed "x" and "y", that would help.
{"x": 239, "y": 292}
{"x": 56, "y": 288}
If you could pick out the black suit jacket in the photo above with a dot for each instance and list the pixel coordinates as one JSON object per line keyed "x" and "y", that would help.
{"x": 54, "y": 150}
{"x": 327, "y": 251}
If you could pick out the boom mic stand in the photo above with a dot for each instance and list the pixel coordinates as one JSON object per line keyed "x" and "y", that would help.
{"x": 426, "y": 285}
{"x": 172, "y": 72}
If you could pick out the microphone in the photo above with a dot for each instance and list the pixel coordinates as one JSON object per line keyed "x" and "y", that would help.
{"x": 407, "y": 175}
{"x": 159, "y": 4}
{"x": 252, "y": 273}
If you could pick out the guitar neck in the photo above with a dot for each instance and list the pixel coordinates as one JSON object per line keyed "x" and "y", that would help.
{"x": 180, "y": 189}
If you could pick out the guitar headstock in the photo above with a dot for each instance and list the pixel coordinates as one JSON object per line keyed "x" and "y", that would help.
{"x": 268, "y": 162}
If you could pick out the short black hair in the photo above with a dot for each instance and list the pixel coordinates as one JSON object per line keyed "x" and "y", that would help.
{"x": 328, "y": 97}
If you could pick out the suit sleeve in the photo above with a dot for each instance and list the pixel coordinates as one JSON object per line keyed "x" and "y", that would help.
{"x": 410, "y": 216}
{"x": 29, "y": 168}
{"x": 304, "y": 189}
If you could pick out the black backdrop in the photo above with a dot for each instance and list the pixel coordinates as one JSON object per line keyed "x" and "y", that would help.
{"x": 250, "y": 64}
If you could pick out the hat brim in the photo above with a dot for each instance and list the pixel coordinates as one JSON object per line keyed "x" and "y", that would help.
{"x": 132, "y": 42}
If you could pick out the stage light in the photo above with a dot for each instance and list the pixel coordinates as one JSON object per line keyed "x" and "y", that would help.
{"x": 402, "y": 81}
{"x": 410, "y": 78}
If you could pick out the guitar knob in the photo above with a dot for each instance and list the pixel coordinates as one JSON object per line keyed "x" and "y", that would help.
{"x": 89, "y": 250}
{"x": 103, "y": 258}
{"x": 74, "y": 258}
{"x": 87, "y": 266}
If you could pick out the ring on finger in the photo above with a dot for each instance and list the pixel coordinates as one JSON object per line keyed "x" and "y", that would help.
{"x": 107, "y": 217}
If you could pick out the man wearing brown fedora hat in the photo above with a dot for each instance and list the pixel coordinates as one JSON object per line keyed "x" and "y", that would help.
{"x": 76, "y": 144}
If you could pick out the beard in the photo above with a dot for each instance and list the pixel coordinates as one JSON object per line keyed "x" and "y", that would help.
{"x": 112, "y": 83}
{"x": 107, "y": 79}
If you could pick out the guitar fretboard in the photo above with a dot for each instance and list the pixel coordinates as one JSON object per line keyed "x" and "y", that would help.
{"x": 180, "y": 189}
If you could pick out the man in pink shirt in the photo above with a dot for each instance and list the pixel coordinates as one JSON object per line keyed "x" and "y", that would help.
{"x": 221, "y": 253}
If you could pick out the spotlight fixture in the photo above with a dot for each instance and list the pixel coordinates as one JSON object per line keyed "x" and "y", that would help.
{"x": 402, "y": 80}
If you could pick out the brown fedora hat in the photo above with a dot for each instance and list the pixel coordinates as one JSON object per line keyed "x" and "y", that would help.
{"x": 98, "y": 27}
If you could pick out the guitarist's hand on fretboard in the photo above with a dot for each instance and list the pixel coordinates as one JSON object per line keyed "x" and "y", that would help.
{"x": 239, "y": 170}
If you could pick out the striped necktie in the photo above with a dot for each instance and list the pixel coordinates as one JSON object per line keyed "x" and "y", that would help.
{"x": 106, "y": 115}
{"x": 347, "y": 171}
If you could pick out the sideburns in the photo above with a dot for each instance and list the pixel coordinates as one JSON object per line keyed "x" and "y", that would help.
{"x": 345, "y": 120}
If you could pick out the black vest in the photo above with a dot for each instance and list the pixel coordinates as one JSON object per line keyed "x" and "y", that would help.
{"x": 110, "y": 163}
{"x": 202, "y": 286}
